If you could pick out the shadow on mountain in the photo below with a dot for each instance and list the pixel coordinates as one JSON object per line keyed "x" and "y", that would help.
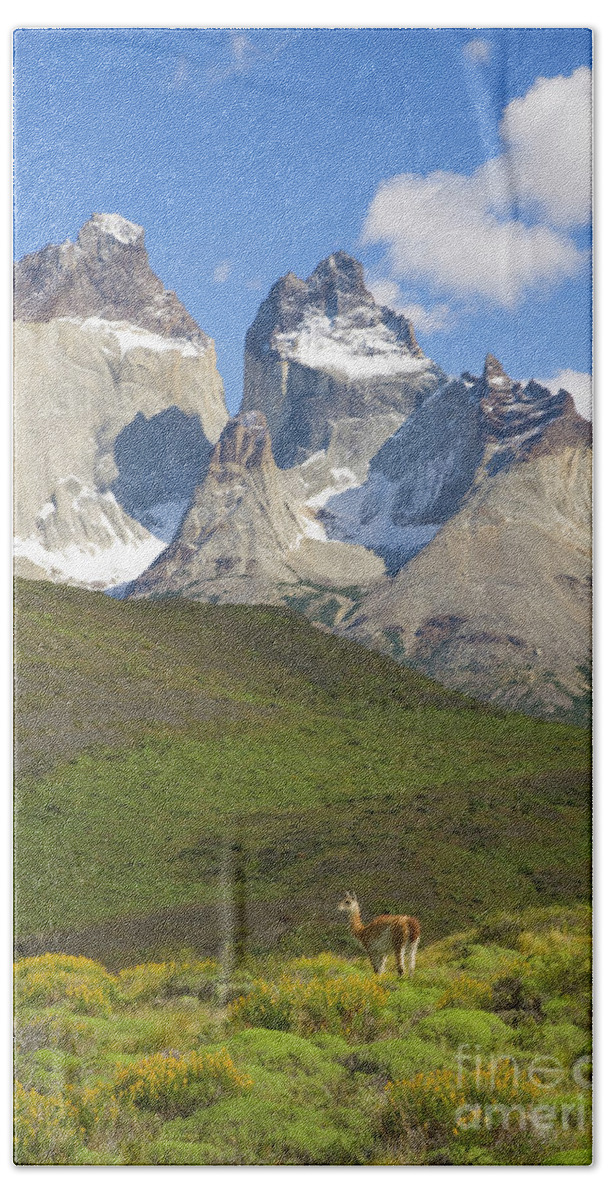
{"x": 160, "y": 461}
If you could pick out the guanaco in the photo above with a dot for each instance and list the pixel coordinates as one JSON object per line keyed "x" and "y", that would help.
{"x": 401, "y": 933}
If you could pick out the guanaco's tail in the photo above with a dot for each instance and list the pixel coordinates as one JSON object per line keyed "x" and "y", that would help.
{"x": 414, "y": 928}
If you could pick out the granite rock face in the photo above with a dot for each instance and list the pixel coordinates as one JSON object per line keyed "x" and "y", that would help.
{"x": 420, "y": 477}
{"x": 243, "y": 539}
{"x": 498, "y": 604}
{"x": 321, "y": 350}
{"x": 100, "y": 345}
{"x": 105, "y": 273}
{"x": 416, "y": 479}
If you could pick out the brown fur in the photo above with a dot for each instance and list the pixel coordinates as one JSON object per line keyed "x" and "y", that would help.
{"x": 399, "y": 932}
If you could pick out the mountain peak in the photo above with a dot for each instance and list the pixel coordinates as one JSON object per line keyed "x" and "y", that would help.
{"x": 104, "y": 273}
{"x": 523, "y": 420}
{"x": 494, "y": 374}
{"x": 341, "y": 267}
{"x": 110, "y": 226}
{"x": 321, "y": 349}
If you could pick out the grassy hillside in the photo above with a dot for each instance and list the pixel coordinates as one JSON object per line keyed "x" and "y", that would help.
{"x": 188, "y": 775}
{"x": 314, "y": 1060}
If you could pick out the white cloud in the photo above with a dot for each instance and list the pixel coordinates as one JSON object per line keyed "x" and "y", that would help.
{"x": 424, "y": 320}
{"x": 440, "y": 228}
{"x": 222, "y": 271}
{"x": 454, "y": 231}
{"x": 427, "y": 320}
{"x": 478, "y": 50}
{"x": 547, "y": 137}
{"x": 181, "y": 74}
{"x": 579, "y": 384}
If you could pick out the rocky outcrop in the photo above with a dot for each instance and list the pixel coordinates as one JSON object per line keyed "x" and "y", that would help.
{"x": 99, "y": 345}
{"x": 498, "y": 605}
{"x": 416, "y": 480}
{"x": 321, "y": 350}
{"x": 244, "y": 540}
{"x": 105, "y": 273}
{"x": 520, "y": 421}
{"x": 420, "y": 477}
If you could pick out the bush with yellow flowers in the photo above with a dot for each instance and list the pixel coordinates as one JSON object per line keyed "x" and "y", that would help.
{"x": 54, "y": 979}
{"x": 46, "y": 1128}
{"x": 175, "y": 1084}
{"x": 349, "y": 1005}
{"x": 466, "y": 992}
{"x": 269, "y": 1005}
{"x": 481, "y": 1105}
{"x": 149, "y": 980}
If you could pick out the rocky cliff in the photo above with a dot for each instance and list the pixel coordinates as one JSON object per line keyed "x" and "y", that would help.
{"x": 321, "y": 350}
{"x": 244, "y": 540}
{"x": 101, "y": 350}
{"x": 420, "y": 477}
{"x": 498, "y": 604}
{"x": 105, "y": 273}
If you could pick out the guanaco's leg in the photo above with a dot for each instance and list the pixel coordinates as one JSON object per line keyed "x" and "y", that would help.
{"x": 413, "y": 949}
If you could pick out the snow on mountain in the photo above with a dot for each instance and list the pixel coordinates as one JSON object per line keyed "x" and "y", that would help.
{"x": 133, "y": 337}
{"x": 116, "y": 387}
{"x": 335, "y": 344}
{"x": 84, "y": 537}
{"x": 321, "y": 350}
{"x": 418, "y": 479}
{"x": 117, "y": 227}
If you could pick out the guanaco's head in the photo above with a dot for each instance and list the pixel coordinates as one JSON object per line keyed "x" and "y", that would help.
{"x": 349, "y": 904}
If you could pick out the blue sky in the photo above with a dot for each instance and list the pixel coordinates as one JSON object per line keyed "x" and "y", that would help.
{"x": 247, "y": 154}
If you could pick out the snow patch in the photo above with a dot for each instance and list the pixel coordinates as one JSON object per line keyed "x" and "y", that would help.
{"x": 342, "y": 481}
{"x": 132, "y": 337}
{"x": 360, "y": 353}
{"x": 118, "y": 227}
{"x": 310, "y": 529}
{"x": 91, "y": 565}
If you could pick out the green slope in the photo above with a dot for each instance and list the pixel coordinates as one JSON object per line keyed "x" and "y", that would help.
{"x": 187, "y": 770}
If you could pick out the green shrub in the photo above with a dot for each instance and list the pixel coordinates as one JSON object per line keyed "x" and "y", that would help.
{"x": 53, "y": 1030}
{"x": 458, "y": 1026}
{"x": 564, "y": 1041}
{"x": 466, "y": 992}
{"x": 575, "y": 1010}
{"x": 400, "y": 1057}
{"x": 559, "y": 963}
{"x": 490, "y": 961}
{"x": 46, "y": 1129}
{"x": 406, "y": 1004}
